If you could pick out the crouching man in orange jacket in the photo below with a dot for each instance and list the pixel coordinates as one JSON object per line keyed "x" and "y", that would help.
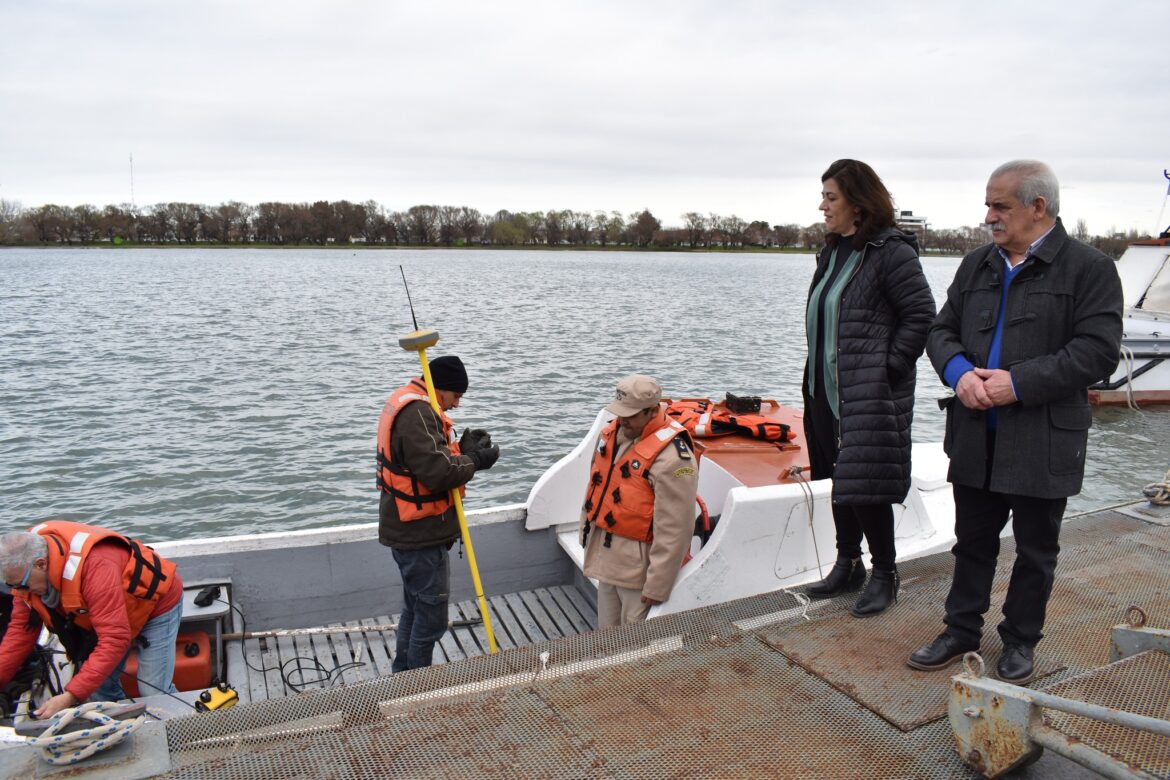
{"x": 101, "y": 593}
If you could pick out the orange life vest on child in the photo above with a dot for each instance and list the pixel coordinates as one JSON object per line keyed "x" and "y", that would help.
{"x": 145, "y": 580}
{"x": 619, "y": 499}
{"x": 411, "y": 497}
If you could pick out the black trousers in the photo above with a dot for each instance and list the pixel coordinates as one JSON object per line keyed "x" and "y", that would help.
{"x": 874, "y": 522}
{"x": 980, "y": 516}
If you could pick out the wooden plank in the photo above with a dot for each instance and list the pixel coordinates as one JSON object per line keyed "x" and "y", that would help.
{"x": 555, "y": 612}
{"x": 344, "y": 654}
{"x": 237, "y": 672}
{"x": 526, "y": 620}
{"x": 448, "y": 642}
{"x": 463, "y": 635}
{"x": 576, "y": 619}
{"x": 471, "y": 610}
{"x": 324, "y": 653}
{"x": 314, "y": 670}
{"x": 498, "y": 611}
{"x": 292, "y": 668}
{"x": 587, "y": 610}
{"x": 379, "y": 654}
{"x": 257, "y": 678}
{"x": 505, "y": 625}
{"x": 361, "y": 650}
{"x": 270, "y": 663}
{"x": 538, "y": 611}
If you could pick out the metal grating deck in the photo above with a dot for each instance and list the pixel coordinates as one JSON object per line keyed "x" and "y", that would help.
{"x": 698, "y": 694}
{"x": 1139, "y": 684}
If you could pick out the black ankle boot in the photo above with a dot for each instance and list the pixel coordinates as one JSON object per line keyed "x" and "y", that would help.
{"x": 879, "y": 594}
{"x": 847, "y": 574}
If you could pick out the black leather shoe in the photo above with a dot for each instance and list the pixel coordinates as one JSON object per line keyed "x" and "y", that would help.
{"x": 879, "y": 594}
{"x": 1015, "y": 665}
{"x": 940, "y": 653}
{"x": 847, "y": 574}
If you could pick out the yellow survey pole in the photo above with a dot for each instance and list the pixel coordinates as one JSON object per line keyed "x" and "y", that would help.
{"x": 418, "y": 341}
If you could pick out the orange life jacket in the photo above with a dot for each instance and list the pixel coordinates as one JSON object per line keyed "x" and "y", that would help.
{"x": 620, "y": 499}
{"x": 411, "y": 497}
{"x": 145, "y": 580}
{"x": 705, "y": 419}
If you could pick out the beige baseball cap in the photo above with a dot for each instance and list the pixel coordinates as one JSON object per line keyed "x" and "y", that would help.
{"x": 634, "y": 394}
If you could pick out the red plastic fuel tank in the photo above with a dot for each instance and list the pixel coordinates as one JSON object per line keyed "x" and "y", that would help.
{"x": 192, "y": 665}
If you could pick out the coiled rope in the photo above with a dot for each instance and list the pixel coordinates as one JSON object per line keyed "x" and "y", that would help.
{"x": 1158, "y": 492}
{"x": 59, "y": 749}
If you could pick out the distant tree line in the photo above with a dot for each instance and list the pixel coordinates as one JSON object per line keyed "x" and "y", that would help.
{"x": 342, "y": 222}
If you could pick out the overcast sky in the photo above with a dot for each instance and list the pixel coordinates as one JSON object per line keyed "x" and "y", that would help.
{"x": 727, "y": 107}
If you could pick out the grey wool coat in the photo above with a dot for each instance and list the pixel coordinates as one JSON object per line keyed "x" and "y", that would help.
{"x": 1062, "y": 333}
{"x": 886, "y": 311}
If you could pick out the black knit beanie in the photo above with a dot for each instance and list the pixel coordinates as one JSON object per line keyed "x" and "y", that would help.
{"x": 448, "y": 373}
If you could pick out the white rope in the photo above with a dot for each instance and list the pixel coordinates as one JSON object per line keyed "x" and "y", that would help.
{"x": 57, "y": 748}
{"x": 804, "y": 601}
{"x": 796, "y": 473}
{"x": 1127, "y": 358}
{"x": 1158, "y": 492}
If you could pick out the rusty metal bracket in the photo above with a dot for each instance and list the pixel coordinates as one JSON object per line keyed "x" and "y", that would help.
{"x": 1127, "y": 639}
{"x": 999, "y": 726}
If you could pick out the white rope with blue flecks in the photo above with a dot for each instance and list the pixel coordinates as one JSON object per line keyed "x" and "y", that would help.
{"x": 58, "y": 749}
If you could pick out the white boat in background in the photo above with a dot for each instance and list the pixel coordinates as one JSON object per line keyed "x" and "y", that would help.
{"x": 1143, "y": 375}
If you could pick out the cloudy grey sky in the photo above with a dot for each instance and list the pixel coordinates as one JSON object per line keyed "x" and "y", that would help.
{"x": 729, "y": 107}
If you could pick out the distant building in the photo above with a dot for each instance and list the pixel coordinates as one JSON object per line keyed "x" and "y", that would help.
{"x": 907, "y": 222}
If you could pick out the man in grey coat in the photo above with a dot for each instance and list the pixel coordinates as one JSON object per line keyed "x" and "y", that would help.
{"x": 1030, "y": 321}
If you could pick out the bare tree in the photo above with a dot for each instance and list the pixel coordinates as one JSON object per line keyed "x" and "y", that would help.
{"x": 159, "y": 225}
{"x": 448, "y": 232}
{"x": 580, "y": 226}
{"x": 469, "y": 222}
{"x": 1082, "y": 231}
{"x": 554, "y": 227}
{"x": 735, "y": 229}
{"x": 423, "y": 224}
{"x": 185, "y": 221}
{"x": 813, "y": 236}
{"x": 10, "y": 213}
{"x": 786, "y": 235}
{"x": 696, "y": 227}
{"x": 643, "y": 227}
{"x": 84, "y": 224}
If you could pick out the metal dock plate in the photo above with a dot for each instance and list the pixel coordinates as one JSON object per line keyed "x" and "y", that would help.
{"x": 866, "y": 659}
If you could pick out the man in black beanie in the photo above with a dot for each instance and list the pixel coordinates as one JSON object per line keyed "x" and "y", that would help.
{"x": 419, "y": 462}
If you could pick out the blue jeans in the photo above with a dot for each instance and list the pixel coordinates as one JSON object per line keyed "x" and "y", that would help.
{"x": 156, "y": 661}
{"x": 426, "y": 580}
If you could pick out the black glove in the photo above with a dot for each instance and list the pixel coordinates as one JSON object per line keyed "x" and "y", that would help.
{"x": 485, "y": 457}
{"x": 474, "y": 439}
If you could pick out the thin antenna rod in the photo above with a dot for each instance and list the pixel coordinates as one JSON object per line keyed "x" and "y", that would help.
{"x": 1158, "y": 228}
{"x": 412, "y": 317}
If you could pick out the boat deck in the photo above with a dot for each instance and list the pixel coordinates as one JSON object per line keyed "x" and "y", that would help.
{"x": 279, "y": 666}
{"x": 766, "y": 686}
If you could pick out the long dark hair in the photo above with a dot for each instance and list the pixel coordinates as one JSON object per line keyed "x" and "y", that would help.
{"x": 862, "y": 187}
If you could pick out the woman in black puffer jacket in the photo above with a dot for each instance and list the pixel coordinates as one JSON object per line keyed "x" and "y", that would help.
{"x": 869, "y": 310}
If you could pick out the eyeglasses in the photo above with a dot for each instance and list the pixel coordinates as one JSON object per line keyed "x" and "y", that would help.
{"x": 23, "y": 583}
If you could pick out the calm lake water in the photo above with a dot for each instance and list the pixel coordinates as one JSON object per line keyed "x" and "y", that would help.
{"x": 185, "y": 393}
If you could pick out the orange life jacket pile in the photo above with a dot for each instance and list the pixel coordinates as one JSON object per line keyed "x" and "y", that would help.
{"x": 705, "y": 418}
